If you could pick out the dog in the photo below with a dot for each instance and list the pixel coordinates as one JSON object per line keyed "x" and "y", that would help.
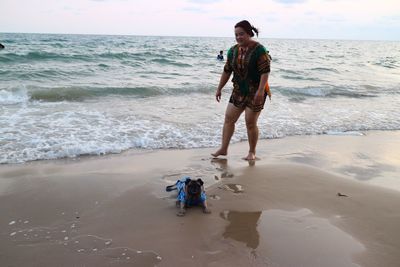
{"x": 190, "y": 193}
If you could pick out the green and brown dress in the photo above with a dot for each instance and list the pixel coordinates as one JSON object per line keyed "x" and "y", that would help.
{"x": 247, "y": 65}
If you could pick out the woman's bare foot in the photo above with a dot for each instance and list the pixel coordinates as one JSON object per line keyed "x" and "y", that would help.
{"x": 219, "y": 152}
{"x": 250, "y": 156}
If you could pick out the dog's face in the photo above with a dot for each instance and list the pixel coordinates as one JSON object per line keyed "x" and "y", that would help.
{"x": 194, "y": 188}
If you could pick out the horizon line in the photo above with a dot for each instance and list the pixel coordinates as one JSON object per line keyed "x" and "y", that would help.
{"x": 203, "y": 36}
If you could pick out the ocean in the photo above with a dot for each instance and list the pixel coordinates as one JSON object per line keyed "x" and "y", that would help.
{"x": 71, "y": 95}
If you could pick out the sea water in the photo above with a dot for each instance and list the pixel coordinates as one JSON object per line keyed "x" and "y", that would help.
{"x": 70, "y": 95}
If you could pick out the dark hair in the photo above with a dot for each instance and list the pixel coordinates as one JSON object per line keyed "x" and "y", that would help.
{"x": 247, "y": 27}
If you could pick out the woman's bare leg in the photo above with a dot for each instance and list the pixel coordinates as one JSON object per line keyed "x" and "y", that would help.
{"x": 232, "y": 114}
{"x": 251, "y": 118}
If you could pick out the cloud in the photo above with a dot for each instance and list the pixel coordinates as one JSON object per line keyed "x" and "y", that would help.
{"x": 290, "y": 1}
{"x": 203, "y": 1}
{"x": 275, "y": 18}
{"x": 197, "y": 10}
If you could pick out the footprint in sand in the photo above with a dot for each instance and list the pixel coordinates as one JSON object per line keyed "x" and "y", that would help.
{"x": 222, "y": 167}
{"x": 227, "y": 175}
{"x": 235, "y": 188}
{"x": 214, "y": 197}
{"x": 222, "y": 164}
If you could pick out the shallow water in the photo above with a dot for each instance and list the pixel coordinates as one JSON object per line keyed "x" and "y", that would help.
{"x": 71, "y": 95}
{"x": 273, "y": 234}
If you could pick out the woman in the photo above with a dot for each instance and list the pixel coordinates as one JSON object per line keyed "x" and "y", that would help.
{"x": 250, "y": 63}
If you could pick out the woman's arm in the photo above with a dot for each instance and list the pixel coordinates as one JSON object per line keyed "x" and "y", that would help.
{"x": 222, "y": 81}
{"x": 259, "y": 96}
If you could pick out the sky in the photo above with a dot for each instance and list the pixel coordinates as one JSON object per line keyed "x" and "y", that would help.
{"x": 305, "y": 19}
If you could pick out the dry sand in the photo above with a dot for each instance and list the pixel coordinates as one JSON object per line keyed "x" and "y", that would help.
{"x": 281, "y": 210}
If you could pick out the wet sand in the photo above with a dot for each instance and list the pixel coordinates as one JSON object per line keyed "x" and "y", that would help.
{"x": 308, "y": 201}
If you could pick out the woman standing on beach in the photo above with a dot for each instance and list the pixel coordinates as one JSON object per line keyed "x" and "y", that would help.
{"x": 250, "y": 63}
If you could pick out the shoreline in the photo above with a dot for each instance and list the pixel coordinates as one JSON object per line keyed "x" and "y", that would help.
{"x": 377, "y": 167}
{"x": 281, "y": 210}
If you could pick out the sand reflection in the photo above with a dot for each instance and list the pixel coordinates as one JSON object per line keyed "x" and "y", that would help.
{"x": 311, "y": 241}
{"x": 242, "y": 227}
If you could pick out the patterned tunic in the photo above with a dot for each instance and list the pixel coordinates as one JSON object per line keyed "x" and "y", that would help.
{"x": 247, "y": 65}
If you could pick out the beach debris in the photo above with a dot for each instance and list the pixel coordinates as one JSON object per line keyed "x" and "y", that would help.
{"x": 341, "y": 195}
{"x": 58, "y": 234}
{"x": 11, "y": 223}
{"x": 130, "y": 256}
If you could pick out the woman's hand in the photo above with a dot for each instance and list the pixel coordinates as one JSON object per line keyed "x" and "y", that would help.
{"x": 258, "y": 97}
{"x": 218, "y": 95}
{"x": 222, "y": 81}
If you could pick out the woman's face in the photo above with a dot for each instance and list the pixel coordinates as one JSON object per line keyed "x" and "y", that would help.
{"x": 242, "y": 37}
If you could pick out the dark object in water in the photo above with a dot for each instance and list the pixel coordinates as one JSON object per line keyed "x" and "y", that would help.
{"x": 342, "y": 195}
{"x": 2, "y": 46}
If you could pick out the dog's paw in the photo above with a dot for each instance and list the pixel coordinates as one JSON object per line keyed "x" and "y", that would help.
{"x": 206, "y": 211}
{"x": 181, "y": 213}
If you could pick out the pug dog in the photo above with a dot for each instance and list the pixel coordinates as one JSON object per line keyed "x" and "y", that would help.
{"x": 190, "y": 193}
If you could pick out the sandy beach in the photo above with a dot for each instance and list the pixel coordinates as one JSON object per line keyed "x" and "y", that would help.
{"x": 327, "y": 200}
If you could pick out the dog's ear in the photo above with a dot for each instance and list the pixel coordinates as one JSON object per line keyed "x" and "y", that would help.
{"x": 200, "y": 181}
{"x": 188, "y": 180}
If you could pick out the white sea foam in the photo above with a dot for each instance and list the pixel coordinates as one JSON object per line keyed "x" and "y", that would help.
{"x": 352, "y": 133}
{"x": 57, "y": 130}
{"x": 13, "y": 96}
{"x": 138, "y": 98}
